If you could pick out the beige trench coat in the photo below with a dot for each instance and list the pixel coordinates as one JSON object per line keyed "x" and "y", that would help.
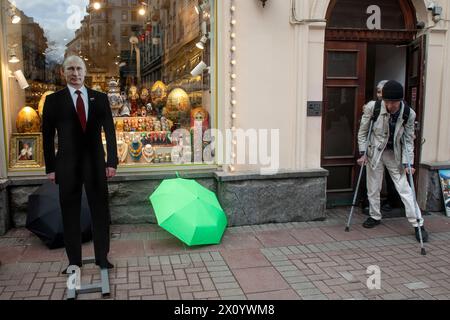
{"x": 380, "y": 135}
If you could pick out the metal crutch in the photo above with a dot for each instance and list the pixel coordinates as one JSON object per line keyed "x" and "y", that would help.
{"x": 416, "y": 206}
{"x": 347, "y": 228}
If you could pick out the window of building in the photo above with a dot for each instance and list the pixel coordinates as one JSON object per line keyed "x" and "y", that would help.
{"x": 134, "y": 15}
{"x": 124, "y": 30}
{"x": 159, "y": 107}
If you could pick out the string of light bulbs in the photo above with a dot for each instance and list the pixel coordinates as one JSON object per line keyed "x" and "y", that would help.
{"x": 233, "y": 76}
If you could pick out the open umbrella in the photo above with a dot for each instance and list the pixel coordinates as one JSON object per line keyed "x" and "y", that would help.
{"x": 189, "y": 211}
{"x": 44, "y": 217}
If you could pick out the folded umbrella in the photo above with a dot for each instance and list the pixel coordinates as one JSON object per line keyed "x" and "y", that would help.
{"x": 44, "y": 217}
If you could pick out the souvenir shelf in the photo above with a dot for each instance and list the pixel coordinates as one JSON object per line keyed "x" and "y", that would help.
{"x": 145, "y": 124}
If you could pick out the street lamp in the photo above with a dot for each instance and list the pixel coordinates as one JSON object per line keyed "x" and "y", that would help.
{"x": 143, "y": 9}
{"x": 97, "y": 5}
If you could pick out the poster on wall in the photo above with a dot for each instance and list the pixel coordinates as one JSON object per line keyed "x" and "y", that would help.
{"x": 444, "y": 176}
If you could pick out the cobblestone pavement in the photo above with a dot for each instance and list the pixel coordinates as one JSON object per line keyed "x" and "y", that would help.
{"x": 314, "y": 261}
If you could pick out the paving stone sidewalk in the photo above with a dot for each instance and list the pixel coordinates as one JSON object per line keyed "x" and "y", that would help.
{"x": 293, "y": 261}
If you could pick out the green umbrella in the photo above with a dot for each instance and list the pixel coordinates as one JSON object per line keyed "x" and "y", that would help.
{"x": 189, "y": 211}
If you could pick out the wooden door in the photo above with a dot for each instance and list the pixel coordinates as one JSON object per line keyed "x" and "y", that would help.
{"x": 415, "y": 89}
{"x": 344, "y": 97}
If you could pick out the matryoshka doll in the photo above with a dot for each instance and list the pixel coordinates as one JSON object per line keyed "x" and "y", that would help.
{"x": 145, "y": 96}
{"x": 134, "y": 100}
{"x": 135, "y": 149}
{"x": 126, "y": 125}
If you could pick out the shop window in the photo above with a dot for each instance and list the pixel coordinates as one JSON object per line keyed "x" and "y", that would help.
{"x": 134, "y": 16}
{"x": 124, "y": 30}
{"x": 155, "y": 101}
{"x": 341, "y": 64}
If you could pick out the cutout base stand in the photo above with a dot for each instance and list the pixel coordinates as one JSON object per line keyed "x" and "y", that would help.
{"x": 102, "y": 286}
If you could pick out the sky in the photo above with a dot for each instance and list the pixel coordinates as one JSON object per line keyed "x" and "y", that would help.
{"x": 59, "y": 19}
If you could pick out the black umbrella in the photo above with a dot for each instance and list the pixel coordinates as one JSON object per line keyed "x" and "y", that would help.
{"x": 44, "y": 217}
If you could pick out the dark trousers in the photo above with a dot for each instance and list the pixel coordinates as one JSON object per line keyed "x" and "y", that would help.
{"x": 70, "y": 191}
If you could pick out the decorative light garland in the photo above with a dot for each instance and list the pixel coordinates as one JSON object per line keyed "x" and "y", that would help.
{"x": 233, "y": 76}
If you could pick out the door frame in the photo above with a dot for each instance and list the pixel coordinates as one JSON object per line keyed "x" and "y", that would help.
{"x": 405, "y": 37}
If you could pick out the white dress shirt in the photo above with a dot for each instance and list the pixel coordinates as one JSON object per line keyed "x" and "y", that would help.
{"x": 84, "y": 96}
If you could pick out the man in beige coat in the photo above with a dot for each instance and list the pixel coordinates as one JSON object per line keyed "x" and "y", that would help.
{"x": 391, "y": 145}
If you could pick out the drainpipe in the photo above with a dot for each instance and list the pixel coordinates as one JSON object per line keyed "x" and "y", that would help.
{"x": 294, "y": 20}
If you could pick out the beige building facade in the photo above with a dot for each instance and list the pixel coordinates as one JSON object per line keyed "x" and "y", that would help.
{"x": 280, "y": 67}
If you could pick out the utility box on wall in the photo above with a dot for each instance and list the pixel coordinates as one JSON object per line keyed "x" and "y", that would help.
{"x": 315, "y": 108}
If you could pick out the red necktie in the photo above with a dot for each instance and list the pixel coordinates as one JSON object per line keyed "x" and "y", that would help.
{"x": 80, "y": 110}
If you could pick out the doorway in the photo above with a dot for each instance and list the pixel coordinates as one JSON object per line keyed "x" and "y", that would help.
{"x": 356, "y": 60}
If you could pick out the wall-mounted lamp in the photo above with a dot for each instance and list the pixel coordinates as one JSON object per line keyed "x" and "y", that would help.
{"x": 436, "y": 11}
{"x": 13, "y": 57}
{"x": 198, "y": 70}
{"x": 263, "y": 2}
{"x": 203, "y": 9}
{"x": 21, "y": 79}
{"x": 201, "y": 44}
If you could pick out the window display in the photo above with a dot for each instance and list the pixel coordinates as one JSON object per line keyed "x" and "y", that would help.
{"x": 141, "y": 54}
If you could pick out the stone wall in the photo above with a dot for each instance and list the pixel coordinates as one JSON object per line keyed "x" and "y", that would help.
{"x": 247, "y": 199}
{"x": 5, "y": 220}
{"x": 18, "y": 196}
{"x": 129, "y": 200}
{"x": 285, "y": 197}
{"x": 429, "y": 195}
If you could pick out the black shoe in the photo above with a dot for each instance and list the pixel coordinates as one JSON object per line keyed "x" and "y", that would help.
{"x": 105, "y": 265}
{"x": 386, "y": 207}
{"x": 371, "y": 223}
{"x": 424, "y": 234}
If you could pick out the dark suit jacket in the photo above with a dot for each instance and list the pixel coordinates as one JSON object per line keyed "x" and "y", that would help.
{"x": 74, "y": 145}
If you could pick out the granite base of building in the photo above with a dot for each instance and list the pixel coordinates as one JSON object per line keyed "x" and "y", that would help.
{"x": 429, "y": 195}
{"x": 248, "y": 199}
{"x": 283, "y": 197}
{"x": 5, "y": 220}
{"x": 129, "y": 196}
